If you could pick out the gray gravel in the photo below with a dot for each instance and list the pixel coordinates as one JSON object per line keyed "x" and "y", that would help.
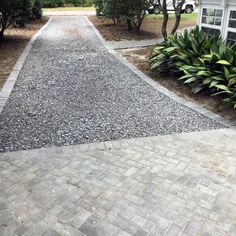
{"x": 71, "y": 90}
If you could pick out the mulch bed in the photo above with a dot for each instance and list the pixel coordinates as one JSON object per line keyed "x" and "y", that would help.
{"x": 151, "y": 29}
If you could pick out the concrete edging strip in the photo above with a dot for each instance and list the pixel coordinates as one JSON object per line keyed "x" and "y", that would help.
{"x": 198, "y": 108}
{"x": 10, "y": 82}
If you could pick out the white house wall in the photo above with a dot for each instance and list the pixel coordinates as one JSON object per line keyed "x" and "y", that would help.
{"x": 232, "y": 2}
{"x": 219, "y": 2}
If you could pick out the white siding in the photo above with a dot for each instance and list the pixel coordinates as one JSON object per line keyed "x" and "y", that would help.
{"x": 226, "y": 6}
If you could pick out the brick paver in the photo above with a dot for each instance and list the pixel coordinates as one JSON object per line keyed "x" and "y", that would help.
{"x": 181, "y": 184}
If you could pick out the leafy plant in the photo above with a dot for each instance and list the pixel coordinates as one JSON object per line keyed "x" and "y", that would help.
{"x": 205, "y": 63}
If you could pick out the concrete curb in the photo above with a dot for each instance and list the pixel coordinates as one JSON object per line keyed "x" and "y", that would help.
{"x": 165, "y": 91}
{"x": 10, "y": 82}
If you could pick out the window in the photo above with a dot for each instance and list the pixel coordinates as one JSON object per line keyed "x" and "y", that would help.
{"x": 232, "y": 19}
{"x": 211, "y": 21}
{"x": 231, "y": 38}
{"x": 212, "y": 16}
{"x": 210, "y": 32}
{"x": 231, "y": 34}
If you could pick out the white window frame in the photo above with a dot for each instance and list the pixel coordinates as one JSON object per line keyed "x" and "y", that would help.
{"x": 227, "y": 28}
{"x": 215, "y": 7}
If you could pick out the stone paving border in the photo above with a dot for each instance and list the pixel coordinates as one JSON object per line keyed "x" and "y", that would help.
{"x": 126, "y": 44}
{"x": 160, "y": 88}
{"x": 10, "y": 82}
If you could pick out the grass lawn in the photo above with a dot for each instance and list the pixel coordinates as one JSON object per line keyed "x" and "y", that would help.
{"x": 151, "y": 27}
{"x": 69, "y": 9}
{"x": 188, "y": 17}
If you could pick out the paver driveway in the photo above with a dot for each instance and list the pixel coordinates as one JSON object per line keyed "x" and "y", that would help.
{"x": 168, "y": 185}
{"x": 71, "y": 90}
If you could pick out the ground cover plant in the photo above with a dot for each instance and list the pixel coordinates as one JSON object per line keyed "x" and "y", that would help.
{"x": 202, "y": 62}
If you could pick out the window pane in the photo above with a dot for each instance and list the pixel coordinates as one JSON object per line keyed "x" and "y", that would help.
{"x": 232, "y": 19}
{"x": 231, "y": 37}
{"x": 204, "y": 20}
{"x": 210, "y": 32}
{"x": 232, "y": 24}
{"x": 212, "y": 16}
{"x": 233, "y": 15}
{"x": 219, "y": 13}
{"x": 218, "y": 21}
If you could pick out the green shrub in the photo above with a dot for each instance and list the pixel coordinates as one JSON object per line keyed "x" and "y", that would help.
{"x": 203, "y": 62}
{"x": 99, "y": 7}
{"x": 132, "y": 12}
{"x": 37, "y": 9}
{"x": 12, "y": 11}
{"x": 62, "y": 3}
{"x": 53, "y": 3}
{"x": 24, "y": 13}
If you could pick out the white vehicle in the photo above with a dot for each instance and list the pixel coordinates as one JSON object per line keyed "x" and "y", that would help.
{"x": 188, "y": 7}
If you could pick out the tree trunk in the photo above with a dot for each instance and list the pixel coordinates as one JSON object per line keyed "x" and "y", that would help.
{"x": 5, "y": 23}
{"x": 140, "y": 21}
{"x": 130, "y": 26}
{"x": 164, "y": 24}
{"x": 178, "y": 10}
{"x": 177, "y": 22}
{"x": 163, "y": 7}
{"x": 1, "y": 34}
{"x": 114, "y": 20}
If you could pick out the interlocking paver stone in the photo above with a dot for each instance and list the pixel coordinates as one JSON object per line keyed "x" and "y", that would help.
{"x": 193, "y": 200}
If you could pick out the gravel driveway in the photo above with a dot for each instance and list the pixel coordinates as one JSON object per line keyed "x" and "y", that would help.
{"x": 71, "y": 90}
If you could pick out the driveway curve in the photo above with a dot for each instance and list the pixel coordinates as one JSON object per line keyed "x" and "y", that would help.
{"x": 71, "y": 90}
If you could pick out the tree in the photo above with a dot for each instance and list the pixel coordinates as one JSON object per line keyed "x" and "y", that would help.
{"x": 9, "y": 11}
{"x": 111, "y": 9}
{"x": 178, "y": 5}
{"x": 136, "y": 11}
{"x": 130, "y": 11}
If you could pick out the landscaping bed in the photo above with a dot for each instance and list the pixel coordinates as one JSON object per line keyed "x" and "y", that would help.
{"x": 151, "y": 24}
{"x": 140, "y": 58}
{"x": 14, "y": 43}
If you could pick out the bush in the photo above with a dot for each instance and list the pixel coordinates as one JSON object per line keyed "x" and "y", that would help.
{"x": 37, "y": 10}
{"x": 99, "y": 7}
{"x": 203, "y": 62}
{"x": 18, "y": 12}
{"x": 62, "y": 3}
{"x": 53, "y": 3}
{"x": 10, "y": 11}
{"x": 24, "y": 13}
{"x": 130, "y": 11}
